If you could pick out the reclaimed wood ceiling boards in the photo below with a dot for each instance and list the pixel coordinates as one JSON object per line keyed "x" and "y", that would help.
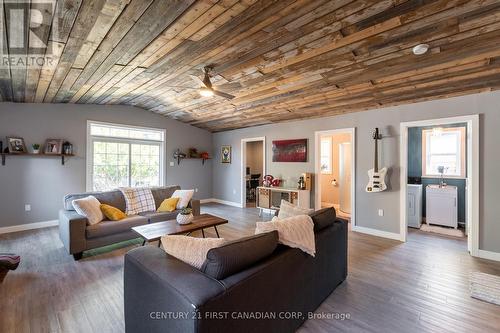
{"x": 282, "y": 59}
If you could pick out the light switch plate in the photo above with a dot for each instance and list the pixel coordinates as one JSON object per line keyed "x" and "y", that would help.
{"x": 171, "y": 163}
{"x": 380, "y": 212}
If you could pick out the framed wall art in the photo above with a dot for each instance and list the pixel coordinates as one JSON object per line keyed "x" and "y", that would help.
{"x": 290, "y": 150}
{"x": 225, "y": 154}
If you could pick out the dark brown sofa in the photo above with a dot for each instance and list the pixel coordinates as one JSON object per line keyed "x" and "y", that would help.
{"x": 77, "y": 236}
{"x": 274, "y": 294}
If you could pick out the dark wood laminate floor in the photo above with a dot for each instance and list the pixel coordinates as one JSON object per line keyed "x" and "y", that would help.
{"x": 419, "y": 286}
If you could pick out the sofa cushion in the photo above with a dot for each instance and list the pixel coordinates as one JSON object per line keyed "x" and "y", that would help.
{"x": 90, "y": 208}
{"x": 113, "y": 198}
{"x": 168, "y": 205}
{"x": 236, "y": 256}
{"x": 138, "y": 199}
{"x": 287, "y": 210}
{"x": 323, "y": 218}
{"x": 295, "y": 232}
{"x": 112, "y": 213}
{"x": 184, "y": 196}
{"x": 106, "y": 228}
{"x": 159, "y": 216}
{"x": 163, "y": 192}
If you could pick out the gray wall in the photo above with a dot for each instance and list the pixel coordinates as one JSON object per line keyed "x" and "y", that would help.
{"x": 415, "y": 168}
{"x": 226, "y": 177}
{"x": 42, "y": 182}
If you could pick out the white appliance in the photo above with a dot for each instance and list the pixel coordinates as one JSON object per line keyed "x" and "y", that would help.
{"x": 442, "y": 205}
{"x": 414, "y": 205}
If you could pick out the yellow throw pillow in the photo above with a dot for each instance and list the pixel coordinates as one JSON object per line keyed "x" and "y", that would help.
{"x": 112, "y": 213}
{"x": 168, "y": 205}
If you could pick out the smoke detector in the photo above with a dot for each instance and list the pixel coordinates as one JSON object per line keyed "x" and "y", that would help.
{"x": 420, "y": 49}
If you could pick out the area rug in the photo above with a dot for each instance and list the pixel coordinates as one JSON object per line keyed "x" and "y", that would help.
{"x": 485, "y": 287}
{"x": 442, "y": 230}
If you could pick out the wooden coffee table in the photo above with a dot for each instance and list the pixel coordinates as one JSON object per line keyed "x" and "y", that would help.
{"x": 154, "y": 231}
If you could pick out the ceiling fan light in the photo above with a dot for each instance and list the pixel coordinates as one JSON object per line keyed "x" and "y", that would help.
{"x": 420, "y": 49}
{"x": 205, "y": 92}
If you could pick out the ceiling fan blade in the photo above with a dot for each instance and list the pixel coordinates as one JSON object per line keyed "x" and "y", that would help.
{"x": 197, "y": 79}
{"x": 222, "y": 94}
{"x": 183, "y": 87}
{"x": 206, "y": 81}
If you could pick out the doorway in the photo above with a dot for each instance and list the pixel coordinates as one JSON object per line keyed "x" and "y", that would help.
{"x": 253, "y": 166}
{"x": 439, "y": 178}
{"x": 335, "y": 170}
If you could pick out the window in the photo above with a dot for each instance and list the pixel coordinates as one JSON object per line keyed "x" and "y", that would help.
{"x": 443, "y": 147}
{"x": 120, "y": 155}
{"x": 326, "y": 155}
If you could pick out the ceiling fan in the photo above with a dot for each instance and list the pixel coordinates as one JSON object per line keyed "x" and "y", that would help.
{"x": 207, "y": 90}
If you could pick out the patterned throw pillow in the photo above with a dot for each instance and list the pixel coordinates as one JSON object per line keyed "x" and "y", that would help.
{"x": 138, "y": 200}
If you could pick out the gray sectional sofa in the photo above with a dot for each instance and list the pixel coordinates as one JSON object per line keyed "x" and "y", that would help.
{"x": 239, "y": 288}
{"x": 77, "y": 236}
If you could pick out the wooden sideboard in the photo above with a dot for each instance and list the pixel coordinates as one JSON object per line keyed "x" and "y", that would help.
{"x": 270, "y": 197}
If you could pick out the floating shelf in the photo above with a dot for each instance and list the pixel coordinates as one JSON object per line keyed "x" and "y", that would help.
{"x": 192, "y": 158}
{"x": 62, "y": 156}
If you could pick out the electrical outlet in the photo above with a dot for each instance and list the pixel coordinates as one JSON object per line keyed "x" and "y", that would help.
{"x": 171, "y": 163}
{"x": 27, "y": 208}
{"x": 380, "y": 212}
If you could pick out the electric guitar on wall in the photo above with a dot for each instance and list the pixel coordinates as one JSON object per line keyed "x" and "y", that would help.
{"x": 376, "y": 177}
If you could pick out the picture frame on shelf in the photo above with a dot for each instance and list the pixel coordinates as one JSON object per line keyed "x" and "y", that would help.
{"x": 16, "y": 145}
{"x": 53, "y": 146}
{"x": 225, "y": 154}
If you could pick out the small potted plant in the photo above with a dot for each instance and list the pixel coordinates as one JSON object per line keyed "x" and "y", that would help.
{"x": 36, "y": 148}
{"x": 185, "y": 216}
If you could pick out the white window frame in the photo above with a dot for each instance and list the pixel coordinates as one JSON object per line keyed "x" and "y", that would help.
{"x": 330, "y": 155}
{"x": 90, "y": 148}
{"x": 460, "y": 149}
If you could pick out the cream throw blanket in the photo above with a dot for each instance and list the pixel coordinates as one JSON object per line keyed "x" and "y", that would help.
{"x": 191, "y": 250}
{"x": 295, "y": 231}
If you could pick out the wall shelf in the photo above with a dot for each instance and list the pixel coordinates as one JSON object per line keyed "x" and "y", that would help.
{"x": 62, "y": 156}
{"x": 192, "y": 158}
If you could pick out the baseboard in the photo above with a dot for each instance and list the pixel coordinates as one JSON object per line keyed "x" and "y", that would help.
{"x": 223, "y": 202}
{"x": 28, "y": 226}
{"x": 490, "y": 255}
{"x": 375, "y": 232}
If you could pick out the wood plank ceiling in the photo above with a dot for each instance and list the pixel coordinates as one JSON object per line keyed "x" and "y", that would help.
{"x": 282, "y": 59}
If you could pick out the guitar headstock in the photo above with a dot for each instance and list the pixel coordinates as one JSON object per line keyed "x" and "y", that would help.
{"x": 376, "y": 134}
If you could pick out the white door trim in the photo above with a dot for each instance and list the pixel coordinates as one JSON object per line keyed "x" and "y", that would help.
{"x": 472, "y": 187}
{"x": 244, "y": 163}
{"x": 317, "y": 171}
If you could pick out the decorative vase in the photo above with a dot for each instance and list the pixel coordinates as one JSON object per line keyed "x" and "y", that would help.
{"x": 184, "y": 218}
{"x": 36, "y": 151}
